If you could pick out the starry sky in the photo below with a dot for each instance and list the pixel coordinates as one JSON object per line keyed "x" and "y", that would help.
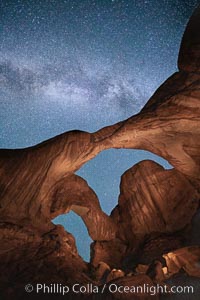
{"x": 83, "y": 65}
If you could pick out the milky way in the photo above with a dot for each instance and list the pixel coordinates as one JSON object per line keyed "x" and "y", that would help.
{"x": 83, "y": 65}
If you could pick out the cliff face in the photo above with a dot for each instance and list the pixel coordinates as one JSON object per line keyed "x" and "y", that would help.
{"x": 155, "y": 206}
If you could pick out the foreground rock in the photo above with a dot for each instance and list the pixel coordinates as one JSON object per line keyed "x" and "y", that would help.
{"x": 28, "y": 257}
{"x": 187, "y": 259}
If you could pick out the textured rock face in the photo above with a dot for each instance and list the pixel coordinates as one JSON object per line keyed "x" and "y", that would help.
{"x": 186, "y": 258}
{"x": 38, "y": 183}
{"x": 111, "y": 252}
{"x": 155, "y": 245}
{"x": 150, "y": 200}
{"x": 28, "y": 257}
{"x": 168, "y": 125}
{"x": 73, "y": 193}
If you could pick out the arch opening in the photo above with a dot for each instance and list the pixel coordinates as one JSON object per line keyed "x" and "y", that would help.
{"x": 103, "y": 175}
{"x": 75, "y": 225}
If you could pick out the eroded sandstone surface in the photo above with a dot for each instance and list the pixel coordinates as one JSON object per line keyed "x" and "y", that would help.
{"x": 144, "y": 240}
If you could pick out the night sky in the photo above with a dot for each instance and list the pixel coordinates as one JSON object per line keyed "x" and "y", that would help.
{"x": 83, "y": 65}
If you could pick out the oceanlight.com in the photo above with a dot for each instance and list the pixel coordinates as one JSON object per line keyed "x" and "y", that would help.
{"x": 58, "y": 288}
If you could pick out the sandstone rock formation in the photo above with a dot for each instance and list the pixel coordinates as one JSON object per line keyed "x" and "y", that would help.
{"x": 38, "y": 183}
{"x": 185, "y": 258}
{"x": 150, "y": 200}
